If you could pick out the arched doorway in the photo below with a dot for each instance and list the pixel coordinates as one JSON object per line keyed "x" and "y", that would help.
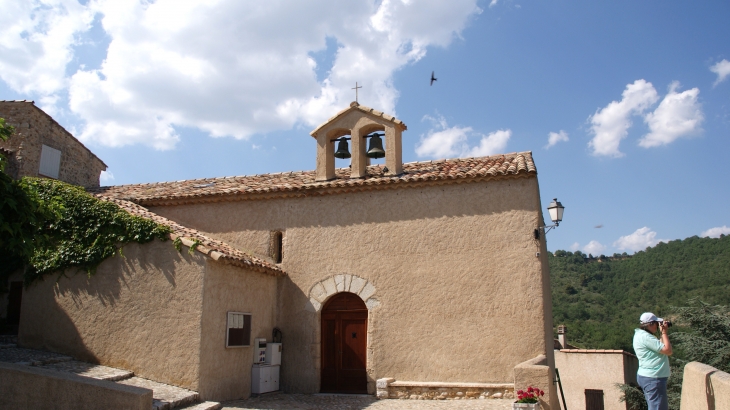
{"x": 344, "y": 344}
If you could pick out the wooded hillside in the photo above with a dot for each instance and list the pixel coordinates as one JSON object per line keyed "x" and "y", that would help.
{"x": 600, "y": 298}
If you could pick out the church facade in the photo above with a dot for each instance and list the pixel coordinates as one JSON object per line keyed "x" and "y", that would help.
{"x": 402, "y": 280}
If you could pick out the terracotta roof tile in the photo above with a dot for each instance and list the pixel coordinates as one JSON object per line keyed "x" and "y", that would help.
{"x": 302, "y": 183}
{"x": 212, "y": 248}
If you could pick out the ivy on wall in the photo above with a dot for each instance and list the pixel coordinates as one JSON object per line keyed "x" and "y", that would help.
{"x": 70, "y": 229}
{"x": 62, "y": 227}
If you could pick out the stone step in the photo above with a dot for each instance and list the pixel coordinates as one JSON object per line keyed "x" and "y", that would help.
{"x": 207, "y": 405}
{"x": 164, "y": 396}
{"x": 31, "y": 357}
{"x": 95, "y": 371}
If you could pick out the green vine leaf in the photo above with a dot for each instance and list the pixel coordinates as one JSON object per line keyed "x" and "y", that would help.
{"x": 177, "y": 243}
{"x": 193, "y": 246}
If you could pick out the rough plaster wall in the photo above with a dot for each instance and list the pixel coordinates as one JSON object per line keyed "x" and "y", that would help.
{"x": 704, "y": 388}
{"x": 454, "y": 267}
{"x": 600, "y": 371}
{"x": 547, "y": 318}
{"x": 225, "y": 373}
{"x": 33, "y": 129}
{"x": 140, "y": 313}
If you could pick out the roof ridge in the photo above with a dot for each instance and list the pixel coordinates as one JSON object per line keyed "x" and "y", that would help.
{"x": 445, "y": 171}
{"x": 431, "y": 161}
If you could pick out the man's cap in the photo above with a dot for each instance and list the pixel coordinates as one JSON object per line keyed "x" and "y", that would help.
{"x": 649, "y": 317}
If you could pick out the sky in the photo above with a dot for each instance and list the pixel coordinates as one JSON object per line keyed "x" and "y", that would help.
{"x": 625, "y": 105}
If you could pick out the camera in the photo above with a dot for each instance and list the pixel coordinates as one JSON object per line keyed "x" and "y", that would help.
{"x": 669, "y": 324}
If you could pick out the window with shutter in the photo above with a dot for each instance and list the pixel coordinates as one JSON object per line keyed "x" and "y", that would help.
{"x": 50, "y": 162}
{"x": 238, "y": 329}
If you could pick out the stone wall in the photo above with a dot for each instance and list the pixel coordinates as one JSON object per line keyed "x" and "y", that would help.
{"x": 33, "y": 129}
{"x": 388, "y": 388}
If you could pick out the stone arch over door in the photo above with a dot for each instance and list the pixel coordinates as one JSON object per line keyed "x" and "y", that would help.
{"x": 326, "y": 288}
{"x": 323, "y": 291}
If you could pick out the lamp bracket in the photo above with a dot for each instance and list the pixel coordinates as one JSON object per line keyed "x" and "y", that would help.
{"x": 545, "y": 231}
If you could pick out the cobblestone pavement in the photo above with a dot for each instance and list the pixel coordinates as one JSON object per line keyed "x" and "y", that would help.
{"x": 280, "y": 401}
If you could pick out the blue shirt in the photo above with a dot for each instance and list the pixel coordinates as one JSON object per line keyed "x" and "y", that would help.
{"x": 651, "y": 362}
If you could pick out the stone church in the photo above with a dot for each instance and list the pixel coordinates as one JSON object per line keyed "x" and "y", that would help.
{"x": 416, "y": 280}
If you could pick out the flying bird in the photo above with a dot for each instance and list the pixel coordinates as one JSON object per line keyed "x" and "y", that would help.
{"x": 433, "y": 78}
{"x": 598, "y": 226}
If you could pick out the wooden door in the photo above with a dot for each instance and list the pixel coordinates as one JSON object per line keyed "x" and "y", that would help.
{"x": 15, "y": 299}
{"x": 344, "y": 344}
{"x": 594, "y": 399}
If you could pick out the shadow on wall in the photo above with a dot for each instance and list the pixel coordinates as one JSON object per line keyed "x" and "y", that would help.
{"x": 67, "y": 339}
{"x": 45, "y": 322}
{"x": 108, "y": 281}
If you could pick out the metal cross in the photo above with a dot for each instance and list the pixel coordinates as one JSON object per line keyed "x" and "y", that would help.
{"x": 356, "y": 87}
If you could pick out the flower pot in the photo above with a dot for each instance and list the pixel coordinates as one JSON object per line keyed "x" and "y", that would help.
{"x": 525, "y": 406}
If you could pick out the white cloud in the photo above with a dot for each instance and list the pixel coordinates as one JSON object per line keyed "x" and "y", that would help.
{"x": 678, "y": 115}
{"x": 227, "y": 67}
{"x": 493, "y": 143}
{"x": 106, "y": 176}
{"x": 443, "y": 141}
{"x": 641, "y": 239}
{"x": 493, "y": 3}
{"x": 36, "y": 44}
{"x": 722, "y": 69}
{"x": 610, "y": 124}
{"x": 575, "y": 246}
{"x": 555, "y": 137}
{"x": 716, "y": 232}
{"x": 594, "y": 248}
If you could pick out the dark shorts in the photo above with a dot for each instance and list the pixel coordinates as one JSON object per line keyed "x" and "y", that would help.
{"x": 655, "y": 391}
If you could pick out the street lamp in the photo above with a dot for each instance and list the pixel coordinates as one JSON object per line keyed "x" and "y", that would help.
{"x": 555, "y": 209}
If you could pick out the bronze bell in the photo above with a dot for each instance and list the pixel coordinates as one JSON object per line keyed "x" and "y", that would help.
{"x": 376, "y": 147}
{"x": 342, "y": 150}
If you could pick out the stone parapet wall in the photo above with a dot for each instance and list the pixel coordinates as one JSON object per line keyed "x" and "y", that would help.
{"x": 388, "y": 388}
{"x": 704, "y": 388}
{"x": 33, "y": 129}
{"x": 26, "y": 387}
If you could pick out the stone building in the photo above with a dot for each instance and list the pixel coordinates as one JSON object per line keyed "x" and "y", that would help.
{"x": 40, "y": 147}
{"x": 418, "y": 280}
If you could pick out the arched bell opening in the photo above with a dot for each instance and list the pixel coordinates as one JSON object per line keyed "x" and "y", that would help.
{"x": 344, "y": 323}
{"x": 374, "y": 135}
{"x": 340, "y": 138}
